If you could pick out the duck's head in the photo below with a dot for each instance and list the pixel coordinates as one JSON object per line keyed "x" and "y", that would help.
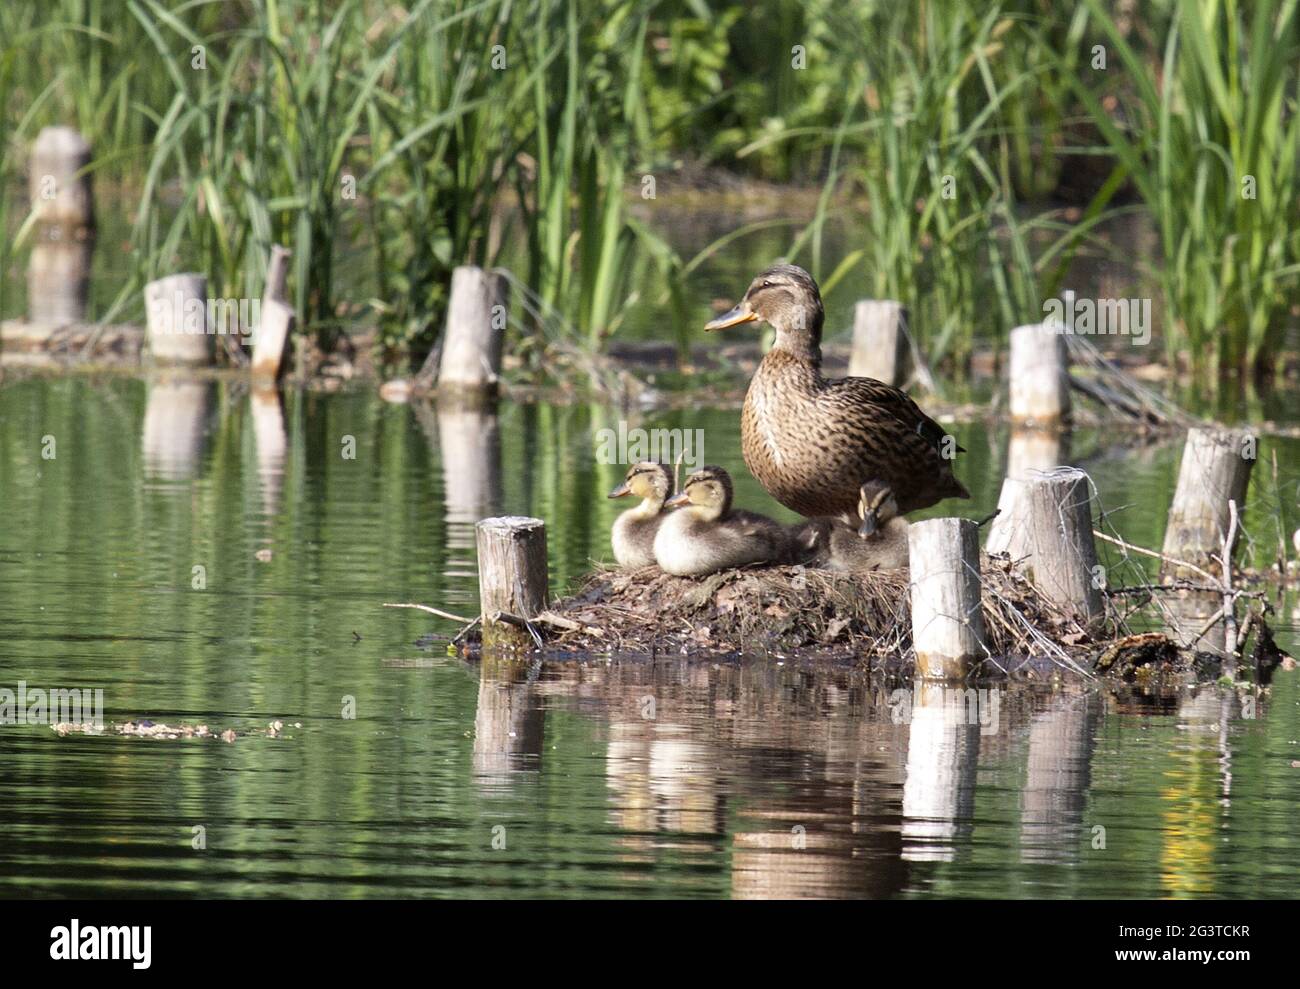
{"x": 786, "y": 297}
{"x": 876, "y": 506}
{"x": 707, "y": 493}
{"x": 646, "y": 480}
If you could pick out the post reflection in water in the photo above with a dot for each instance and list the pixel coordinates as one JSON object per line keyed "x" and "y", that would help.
{"x": 469, "y": 446}
{"x": 175, "y": 427}
{"x": 939, "y": 793}
{"x": 272, "y": 444}
{"x": 509, "y": 723}
{"x": 1057, "y": 776}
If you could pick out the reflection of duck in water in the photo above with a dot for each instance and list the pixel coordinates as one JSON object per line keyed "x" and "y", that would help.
{"x": 706, "y": 535}
{"x": 812, "y": 442}
{"x": 876, "y": 541}
{"x": 633, "y": 535}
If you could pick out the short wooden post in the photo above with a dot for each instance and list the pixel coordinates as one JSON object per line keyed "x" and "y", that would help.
{"x": 276, "y": 320}
{"x": 1063, "y": 554}
{"x": 1029, "y": 451}
{"x": 1215, "y": 470}
{"x": 1039, "y": 376}
{"x": 880, "y": 345}
{"x": 512, "y": 578}
{"x": 60, "y": 190}
{"x": 176, "y": 314}
{"x": 475, "y": 331}
{"x": 947, "y": 621}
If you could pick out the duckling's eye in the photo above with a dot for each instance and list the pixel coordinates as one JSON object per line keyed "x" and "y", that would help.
{"x": 766, "y": 284}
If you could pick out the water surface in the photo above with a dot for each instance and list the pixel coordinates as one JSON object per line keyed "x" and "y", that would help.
{"x": 743, "y": 777}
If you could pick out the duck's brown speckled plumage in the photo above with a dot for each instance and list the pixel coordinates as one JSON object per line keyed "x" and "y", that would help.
{"x": 812, "y": 441}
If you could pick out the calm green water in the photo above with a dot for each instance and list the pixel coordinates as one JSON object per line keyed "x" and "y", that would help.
{"x": 632, "y": 778}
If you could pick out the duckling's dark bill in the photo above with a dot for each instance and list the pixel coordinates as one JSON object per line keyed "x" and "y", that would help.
{"x": 620, "y": 491}
{"x": 680, "y": 498}
{"x": 735, "y": 317}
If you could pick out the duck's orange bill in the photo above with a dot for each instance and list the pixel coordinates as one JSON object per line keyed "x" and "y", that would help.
{"x": 740, "y": 314}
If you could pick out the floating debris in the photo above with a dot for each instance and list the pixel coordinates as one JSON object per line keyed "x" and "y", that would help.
{"x": 147, "y": 728}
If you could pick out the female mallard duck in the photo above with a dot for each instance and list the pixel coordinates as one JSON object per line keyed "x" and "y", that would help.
{"x": 633, "y": 535}
{"x": 876, "y": 539}
{"x": 705, "y": 535}
{"x": 810, "y": 441}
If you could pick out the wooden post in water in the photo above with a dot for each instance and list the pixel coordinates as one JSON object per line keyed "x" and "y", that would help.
{"x": 947, "y": 621}
{"x": 1063, "y": 554}
{"x": 512, "y": 578}
{"x": 276, "y": 321}
{"x": 880, "y": 346}
{"x": 60, "y": 192}
{"x": 1215, "y": 470}
{"x": 1029, "y": 451}
{"x": 471, "y": 343}
{"x": 58, "y": 272}
{"x": 176, "y": 314}
{"x": 1039, "y": 375}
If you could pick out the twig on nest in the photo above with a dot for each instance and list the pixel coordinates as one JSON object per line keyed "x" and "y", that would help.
{"x": 434, "y": 611}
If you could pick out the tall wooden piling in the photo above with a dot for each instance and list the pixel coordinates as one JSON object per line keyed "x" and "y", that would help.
{"x": 1039, "y": 375}
{"x": 62, "y": 200}
{"x": 1215, "y": 470}
{"x": 476, "y": 321}
{"x": 59, "y": 186}
{"x": 947, "y": 623}
{"x": 176, "y": 314}
{"x": 1063, "y": 554}
{"x": 880, "y": 345}
{"x": 512, "y": 578}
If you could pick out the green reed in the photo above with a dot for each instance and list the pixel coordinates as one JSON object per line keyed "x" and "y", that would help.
{"x": 1210, "y": 137}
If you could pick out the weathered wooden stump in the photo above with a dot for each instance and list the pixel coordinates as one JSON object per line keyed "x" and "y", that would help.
{"x": 470, "y": 366}
{"x": 276, "y": 321}
{"x": 58, "y": 282}
{"x": 1039, "y": 375}
{"x": 880, "y": 345}
{"x": 176, "y": 314}
{"x": 512, "y": 578}
{"x": 1063, "y": 554}
{"x": 947, "y": 623}
{"x": 1215, "y": 470}
{"x": 1029, "y": 452}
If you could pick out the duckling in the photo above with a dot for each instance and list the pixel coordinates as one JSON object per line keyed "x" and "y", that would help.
{"x": 879, "y": 542}
{"x": 706, "y": 535}
{"x": 633, "y": 535}
{"x": 809, "y": 440}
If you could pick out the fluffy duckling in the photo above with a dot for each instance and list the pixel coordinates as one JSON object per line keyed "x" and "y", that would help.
{"x": 706, "y": 535}
{"x": 633, "y": 535}
{"x": 876, "y": 540}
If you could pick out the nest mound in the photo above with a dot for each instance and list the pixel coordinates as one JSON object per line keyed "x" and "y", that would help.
{"x": 797, "y": 608}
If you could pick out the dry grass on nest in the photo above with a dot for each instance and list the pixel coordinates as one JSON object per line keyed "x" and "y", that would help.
{"x": 795, "y": 607}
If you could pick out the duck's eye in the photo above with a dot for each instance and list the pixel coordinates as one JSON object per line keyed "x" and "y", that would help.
{"x": 766, "y": 284}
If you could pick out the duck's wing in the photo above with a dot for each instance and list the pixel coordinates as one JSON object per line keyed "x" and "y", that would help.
{"x": 893, "y": 407}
